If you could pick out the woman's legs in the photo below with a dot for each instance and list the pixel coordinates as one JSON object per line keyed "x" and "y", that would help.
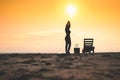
{"x": 67, "y": 47}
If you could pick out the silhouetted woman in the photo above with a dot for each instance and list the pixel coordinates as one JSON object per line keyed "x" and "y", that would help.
{"x": 67, "y": 38}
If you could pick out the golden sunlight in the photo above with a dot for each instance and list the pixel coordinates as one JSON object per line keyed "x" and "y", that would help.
{"x": 71, "y": 10}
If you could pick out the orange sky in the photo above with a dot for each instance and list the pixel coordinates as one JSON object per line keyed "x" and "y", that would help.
{"x": 38, "y": 25}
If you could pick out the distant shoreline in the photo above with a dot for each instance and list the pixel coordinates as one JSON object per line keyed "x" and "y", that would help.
{"x": 64, "y": 53}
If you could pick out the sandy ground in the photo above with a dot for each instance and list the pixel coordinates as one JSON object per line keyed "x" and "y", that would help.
{"x": 100, "y": 66}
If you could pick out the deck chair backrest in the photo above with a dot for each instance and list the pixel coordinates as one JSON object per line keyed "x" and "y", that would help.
{"x": 88, "y": 42}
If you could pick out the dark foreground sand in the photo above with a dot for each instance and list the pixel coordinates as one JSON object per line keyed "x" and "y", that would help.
{"x": 60, "y": 67}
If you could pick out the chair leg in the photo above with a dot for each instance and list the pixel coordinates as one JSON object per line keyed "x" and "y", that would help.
{"x": 83, "y": 51}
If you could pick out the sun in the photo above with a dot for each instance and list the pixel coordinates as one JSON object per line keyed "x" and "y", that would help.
{"x": 71, "y": 10}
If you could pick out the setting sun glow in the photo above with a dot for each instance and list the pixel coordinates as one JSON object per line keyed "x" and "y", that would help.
{"x": 39, "y": 25}
{"x": 71, "y": 10}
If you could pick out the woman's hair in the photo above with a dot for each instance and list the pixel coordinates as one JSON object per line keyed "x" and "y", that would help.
{"x": 67, "y": 25}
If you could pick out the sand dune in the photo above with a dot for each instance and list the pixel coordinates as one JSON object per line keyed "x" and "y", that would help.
{"x": 60, "y": 66}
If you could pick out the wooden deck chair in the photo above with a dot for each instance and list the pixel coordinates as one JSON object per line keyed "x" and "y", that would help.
{"x": 88, "y": 45}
